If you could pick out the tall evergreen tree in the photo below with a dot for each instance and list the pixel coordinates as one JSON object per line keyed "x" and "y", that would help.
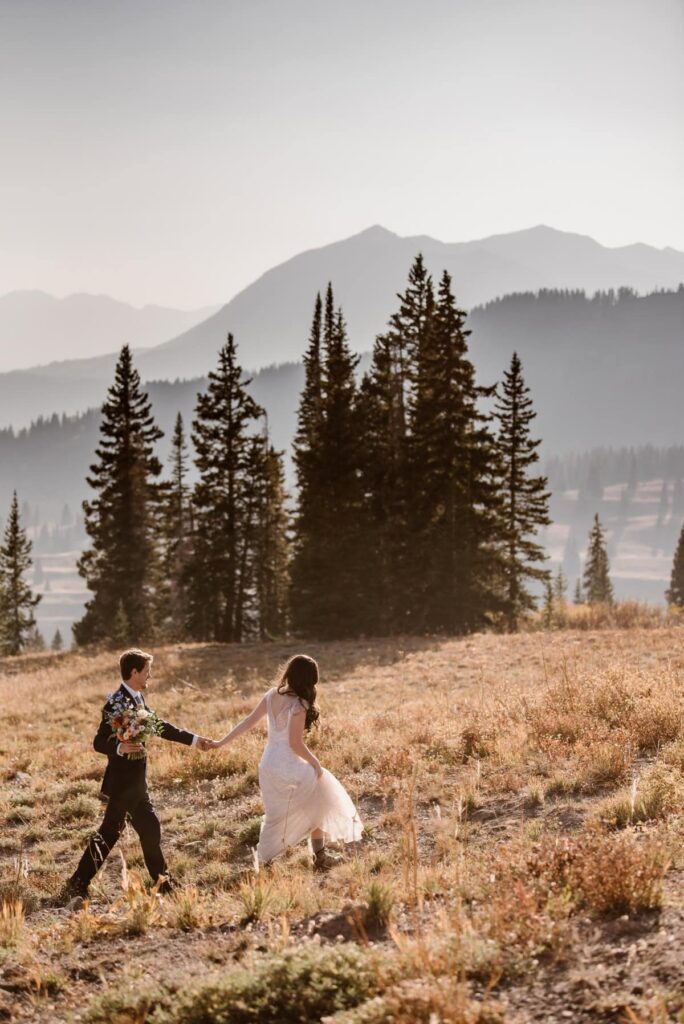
{"x": 560, "y": 586}
{"x": 384, "y": 541}
{"x": 598, "y": 588}
{"x": 328, "y": 557}
{"x": 525, "y": 496}
{"x": 121, "y": 566}
{"x": 386, "y": 403}
{"x": 454, "y": 478}
{"x": 17, "y": 600}
{"x": 307, "y": 568}
{"x": 57, "y": 643}
{"x": 675, "y": 592}
{"x": 225, "y": 420}
{"x": 177, "y": 531}
{"x": 269, "y": 546}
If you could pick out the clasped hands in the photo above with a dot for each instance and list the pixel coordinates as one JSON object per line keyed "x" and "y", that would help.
{"x": 205, "y": 744}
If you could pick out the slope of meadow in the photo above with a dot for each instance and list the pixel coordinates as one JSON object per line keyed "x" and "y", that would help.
{"x": 522, "y": 801}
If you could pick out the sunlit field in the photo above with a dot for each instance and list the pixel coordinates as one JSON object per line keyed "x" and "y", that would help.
{"x": 521, "y": 797}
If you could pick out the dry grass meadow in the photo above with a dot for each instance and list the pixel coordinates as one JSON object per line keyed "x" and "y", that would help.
{"x": 522, "y": 857}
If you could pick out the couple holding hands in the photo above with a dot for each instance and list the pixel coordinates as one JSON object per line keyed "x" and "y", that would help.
{"x": 301, "y": 799}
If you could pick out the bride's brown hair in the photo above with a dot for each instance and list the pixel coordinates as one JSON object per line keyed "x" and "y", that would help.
{"x": 299, "y": 679}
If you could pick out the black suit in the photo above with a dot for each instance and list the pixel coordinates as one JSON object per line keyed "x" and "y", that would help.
{"x": 125, "y": 784}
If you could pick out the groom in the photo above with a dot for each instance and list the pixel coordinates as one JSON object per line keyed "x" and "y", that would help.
{"x": 125, "y": 784}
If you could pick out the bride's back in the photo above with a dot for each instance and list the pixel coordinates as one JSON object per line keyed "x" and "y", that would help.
{"x": 280, "y": 707}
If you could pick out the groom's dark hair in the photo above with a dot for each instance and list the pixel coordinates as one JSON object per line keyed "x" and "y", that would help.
{"x": 133, "y": 659}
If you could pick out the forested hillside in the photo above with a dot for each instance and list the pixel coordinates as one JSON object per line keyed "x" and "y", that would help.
{"x": 603, "y": 372}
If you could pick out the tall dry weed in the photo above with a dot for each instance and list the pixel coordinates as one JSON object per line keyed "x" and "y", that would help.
{"x": 12, "y": 922}
{"x": 606, "y": 874}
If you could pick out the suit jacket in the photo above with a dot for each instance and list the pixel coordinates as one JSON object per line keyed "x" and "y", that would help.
{"x": 122, "y": 772}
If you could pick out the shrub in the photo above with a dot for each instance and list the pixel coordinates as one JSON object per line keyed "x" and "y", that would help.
{"x": 21, "y": 814}
{"x": 617, "y": 875}
{"x": 256, "y": 898}
{"x": 294, "y": 987}
{"x": 660, "y": 794}
{"x": 79, "y": 808}
{"x": 250, "y": 832}
{"x": 518, "y": 923}
{"x": 184, "y": 909}
{"x": 607, "y": 875}
{"x": 605, "y": 717}
{"x": 379, "y": 904}
{"x": 422, "y": 1001}
{"x": 603, "y": 764}
{"x": 621, "y": 615}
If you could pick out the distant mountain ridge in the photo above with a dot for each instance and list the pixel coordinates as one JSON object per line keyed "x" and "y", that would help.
{"x": 270, "y": 318}
{"x": 37, "y": 328}
{"x": 602, "y": 371}
{"x": 605, "y": 371}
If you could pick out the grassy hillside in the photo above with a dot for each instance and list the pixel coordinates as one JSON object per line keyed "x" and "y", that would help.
{"x": 522, "y": 802}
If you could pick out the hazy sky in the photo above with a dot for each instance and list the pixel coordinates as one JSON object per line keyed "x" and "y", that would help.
{"x": 170, "y": 151}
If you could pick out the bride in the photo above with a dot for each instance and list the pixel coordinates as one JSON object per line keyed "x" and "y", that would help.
{"x": 300, "y": 797}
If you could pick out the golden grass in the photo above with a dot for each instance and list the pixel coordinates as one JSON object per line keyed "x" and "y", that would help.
{"x": 510, "y": 786}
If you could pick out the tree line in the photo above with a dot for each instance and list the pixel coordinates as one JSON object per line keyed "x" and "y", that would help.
{"x": 418, "y": 503}
{"x": 415, "y": 510}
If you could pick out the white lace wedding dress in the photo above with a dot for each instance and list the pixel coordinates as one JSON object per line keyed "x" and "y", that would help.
{"x": 295, "y": 800}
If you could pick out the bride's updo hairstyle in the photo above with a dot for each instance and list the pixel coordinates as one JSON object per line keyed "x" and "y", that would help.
{"x": 299, "y": 679}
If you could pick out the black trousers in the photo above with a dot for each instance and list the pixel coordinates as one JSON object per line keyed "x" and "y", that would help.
{"x": 137, "y": 805}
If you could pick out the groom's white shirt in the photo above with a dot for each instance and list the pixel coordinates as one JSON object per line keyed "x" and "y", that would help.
{"x": 138, "y": 698}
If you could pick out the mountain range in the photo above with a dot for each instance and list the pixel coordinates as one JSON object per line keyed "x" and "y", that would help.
{"x": 270, "y": 318}
{"x": 37, "y": 328}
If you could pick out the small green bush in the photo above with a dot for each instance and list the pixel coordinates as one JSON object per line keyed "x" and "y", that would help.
{"x": 250, "y": 832}
{"x": 80, "y": 808}
{"x": 379, "y": 904}
{"x": 295, "y": 987}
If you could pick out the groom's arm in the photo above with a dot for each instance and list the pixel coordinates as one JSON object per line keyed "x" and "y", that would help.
{"x": 170, "y": 732}
{"x": 104, "y": 737}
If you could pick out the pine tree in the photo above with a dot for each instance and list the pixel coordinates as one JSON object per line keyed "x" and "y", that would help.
{"x": 35, "y": 642}
{"x": 17, "y": 600}
{"x": 384, "y": 473}
{"x": 268, "y": 541}
{"x": 309, "y": 524}
{"x": 578, "y": 596}
{"x": 560, "y": 586}
{"x": 217, "y": 586}
{"x": 120, "y": 631}
{"x": 675, "y": 592}
{"x": 57, "y": 642}
{"x": 177, "y": 533}
{"x": 597, "y": 586}
{"x": 121, "y": 566}
{"x": 663, "y": 505}
{"x": 549, "y": 607}
{"x": 386, "y": 405}
{"x": 327, "y": 550}
{"x": 454, "y": 478}
{"x": 525, "y": 497}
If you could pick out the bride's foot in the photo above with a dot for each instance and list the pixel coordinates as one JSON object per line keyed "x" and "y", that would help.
{"x": 325, "y": 859}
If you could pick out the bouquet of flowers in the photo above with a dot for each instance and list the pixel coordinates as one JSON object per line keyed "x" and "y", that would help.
{"x": 133, "y": 724}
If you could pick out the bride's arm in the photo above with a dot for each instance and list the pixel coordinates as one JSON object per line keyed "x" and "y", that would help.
{"x": 295, "y": 735}
{"x": 246, "y": 723}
